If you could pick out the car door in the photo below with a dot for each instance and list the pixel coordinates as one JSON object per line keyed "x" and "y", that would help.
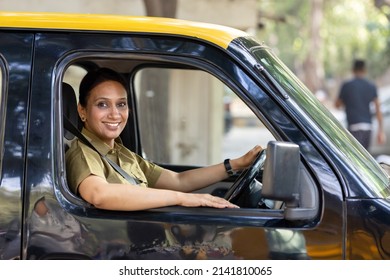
{"x": 15, "y": 71}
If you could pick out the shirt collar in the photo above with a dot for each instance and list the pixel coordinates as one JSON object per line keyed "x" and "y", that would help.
{"x": 101, "y": 146}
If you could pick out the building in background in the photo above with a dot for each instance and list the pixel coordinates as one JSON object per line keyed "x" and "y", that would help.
{"x": 241, "y": 14}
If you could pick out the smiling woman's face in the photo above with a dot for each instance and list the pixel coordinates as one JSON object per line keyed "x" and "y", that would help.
{"x": 106, "y": 112}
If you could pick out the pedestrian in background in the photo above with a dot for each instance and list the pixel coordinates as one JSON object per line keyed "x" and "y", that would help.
{"x": 356, "y": 95}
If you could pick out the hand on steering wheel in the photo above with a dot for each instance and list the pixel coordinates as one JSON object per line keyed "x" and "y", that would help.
{"x": 245, "y": 178}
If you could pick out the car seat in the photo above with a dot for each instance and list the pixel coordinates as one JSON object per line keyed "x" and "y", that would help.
{"x": 69, "y": 109}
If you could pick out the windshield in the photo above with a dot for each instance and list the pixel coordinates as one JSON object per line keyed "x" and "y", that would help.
{"x": 356, "y": 156}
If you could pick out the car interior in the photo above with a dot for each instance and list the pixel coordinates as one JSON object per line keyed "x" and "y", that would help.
{"x": 132, "y": 138}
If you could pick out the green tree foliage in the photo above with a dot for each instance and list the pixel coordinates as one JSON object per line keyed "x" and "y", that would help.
{"x": 350, "y": 29}
{"x": 355, "y": 29}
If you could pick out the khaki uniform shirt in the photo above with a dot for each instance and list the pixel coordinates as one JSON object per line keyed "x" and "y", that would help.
{"x": 82, "y": 161}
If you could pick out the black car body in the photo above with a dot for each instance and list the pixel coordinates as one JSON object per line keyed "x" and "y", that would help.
{"x": 326, "y": 197}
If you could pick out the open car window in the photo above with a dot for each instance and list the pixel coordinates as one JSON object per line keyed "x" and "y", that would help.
{"x": 196, "y": 122}
{"x": 184, "y": 117}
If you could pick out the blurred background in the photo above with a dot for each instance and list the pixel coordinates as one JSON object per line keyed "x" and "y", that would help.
{"x": 317, "y": 39}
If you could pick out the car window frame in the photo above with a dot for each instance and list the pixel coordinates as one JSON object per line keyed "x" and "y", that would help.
{"x": 4, "y": 74}
{"x": 249, "y": 217}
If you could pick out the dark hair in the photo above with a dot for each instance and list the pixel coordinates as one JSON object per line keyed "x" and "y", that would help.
{"x": 96, "y": 77}
{"x": 359, "y": 65}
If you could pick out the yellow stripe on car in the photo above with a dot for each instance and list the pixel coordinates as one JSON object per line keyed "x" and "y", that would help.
{"x": 220, "y": 35}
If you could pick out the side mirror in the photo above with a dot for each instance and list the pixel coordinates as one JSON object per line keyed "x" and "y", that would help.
{"x": 281, "y": 174}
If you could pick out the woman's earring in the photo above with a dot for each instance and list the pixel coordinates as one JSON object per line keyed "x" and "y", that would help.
{"x": 83, "y": 119}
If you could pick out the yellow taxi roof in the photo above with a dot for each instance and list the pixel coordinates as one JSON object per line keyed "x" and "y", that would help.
{"x": 220, "y": 35}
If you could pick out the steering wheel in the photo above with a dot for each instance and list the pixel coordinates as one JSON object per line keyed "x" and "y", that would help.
{"x": 245, "y": 178}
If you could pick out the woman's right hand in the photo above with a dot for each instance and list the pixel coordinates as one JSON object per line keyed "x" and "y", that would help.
{"x": 203, "y": 200}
